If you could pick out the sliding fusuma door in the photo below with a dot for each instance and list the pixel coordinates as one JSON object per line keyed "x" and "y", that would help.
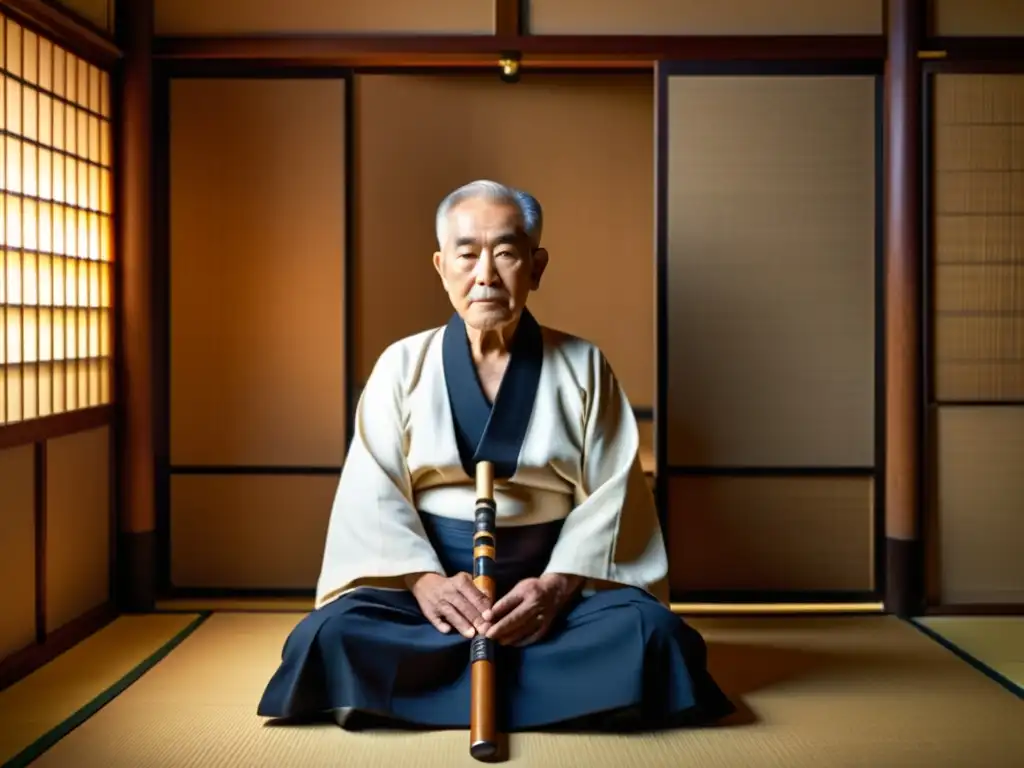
{"x": 768, "y": 414}
{"x": 255, "y": 314}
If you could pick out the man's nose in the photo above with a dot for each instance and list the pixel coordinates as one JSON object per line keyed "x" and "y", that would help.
{"x": 486, "y": 274}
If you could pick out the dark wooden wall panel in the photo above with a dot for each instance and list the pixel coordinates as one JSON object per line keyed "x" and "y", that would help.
{"x": 17, "y": 550}
{"x": 249, "y": 531}
{"x": 783, "y": 534}
{"x": 78, "y": 520}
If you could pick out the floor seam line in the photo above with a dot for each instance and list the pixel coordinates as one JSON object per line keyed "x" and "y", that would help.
{"x": 973, "y": 661}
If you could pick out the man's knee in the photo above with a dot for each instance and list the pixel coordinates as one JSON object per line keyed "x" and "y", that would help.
{"x": 660, "y": 623}
{"x": 337, "y": 627}
{"x": 664, "y": 629}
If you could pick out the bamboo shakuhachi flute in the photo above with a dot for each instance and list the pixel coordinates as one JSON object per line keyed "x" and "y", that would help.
{"x": 483, "y": 726}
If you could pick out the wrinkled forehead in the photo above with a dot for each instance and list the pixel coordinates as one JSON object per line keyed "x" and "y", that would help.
{"x": 485, "y": 222}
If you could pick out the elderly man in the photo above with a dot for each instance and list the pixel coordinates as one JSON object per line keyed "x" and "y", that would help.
{"x": 584, "y": 636}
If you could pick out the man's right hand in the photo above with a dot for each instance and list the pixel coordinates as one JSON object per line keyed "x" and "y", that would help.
{"x": 451, "y": 602}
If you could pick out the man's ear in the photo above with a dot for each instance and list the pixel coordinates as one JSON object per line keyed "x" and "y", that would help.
{"x": 540, "y": 263}
{"x": 439, "y": 267}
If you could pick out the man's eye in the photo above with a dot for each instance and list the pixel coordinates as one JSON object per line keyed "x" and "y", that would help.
{"x": 467, "y": 255}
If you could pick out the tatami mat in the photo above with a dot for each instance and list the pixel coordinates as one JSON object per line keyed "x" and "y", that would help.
{"x": 31, "y": 708}
{"x": 237, "y": 604}
{"x": 815, "y": 692}
{"x": 995, "y": 641}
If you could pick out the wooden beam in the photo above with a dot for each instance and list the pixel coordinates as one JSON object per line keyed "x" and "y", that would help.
{"x": 982, "y": 50}
{"x": 49, "y": 427}
{"x": 66, "y": 29}
{"x": 135, "y": 376}
{"x": 903, "y": 277}
{"x": 537, "y": 51}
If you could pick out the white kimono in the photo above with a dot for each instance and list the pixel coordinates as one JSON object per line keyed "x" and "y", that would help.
{"x": 562, "y": 434}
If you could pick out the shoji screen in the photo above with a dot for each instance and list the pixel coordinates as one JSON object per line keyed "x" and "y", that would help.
{"x": 55, "y": 333}
{"x": 18, "y": 550}
{"x": 769, "y": 295}
{"x": 257, "y": 395}
{"x": 55, "y": 229}
{"x": 977, "y": 319}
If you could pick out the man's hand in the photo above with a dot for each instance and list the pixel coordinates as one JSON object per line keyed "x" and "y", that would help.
{"x": 451, "y": 602}
{"x": 526, "y": 613}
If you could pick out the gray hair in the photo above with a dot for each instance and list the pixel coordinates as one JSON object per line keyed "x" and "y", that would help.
{"x": 483, "y": 189}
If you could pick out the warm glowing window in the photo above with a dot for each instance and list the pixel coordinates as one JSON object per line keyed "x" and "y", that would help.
{"x": 55, "y": 229}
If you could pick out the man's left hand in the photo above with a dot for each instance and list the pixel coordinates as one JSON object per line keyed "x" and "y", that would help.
{"x": 526, "y": 613}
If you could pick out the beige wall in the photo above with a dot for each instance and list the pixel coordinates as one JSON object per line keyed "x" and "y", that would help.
{"x": 700, "y": 17}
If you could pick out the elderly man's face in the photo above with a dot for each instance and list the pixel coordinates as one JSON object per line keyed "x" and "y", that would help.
{"x": 486, "y": 265}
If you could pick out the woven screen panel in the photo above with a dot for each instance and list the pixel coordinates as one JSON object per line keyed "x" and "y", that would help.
{"x": 978, "y": 254}
{"x": 17, "y": 550}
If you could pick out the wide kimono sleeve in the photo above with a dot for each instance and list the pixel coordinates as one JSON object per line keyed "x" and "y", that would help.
{"x": 612, "y": 537}
{"x": 375, "y": 536}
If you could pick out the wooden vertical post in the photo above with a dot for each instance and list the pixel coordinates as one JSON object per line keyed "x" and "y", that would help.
{"x": 508, "y": 18}
{"x": 135, "y": 383}
{"x": 905, "y": 25}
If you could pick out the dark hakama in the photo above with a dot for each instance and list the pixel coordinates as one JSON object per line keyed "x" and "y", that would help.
{"x": 618, "y": 659}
